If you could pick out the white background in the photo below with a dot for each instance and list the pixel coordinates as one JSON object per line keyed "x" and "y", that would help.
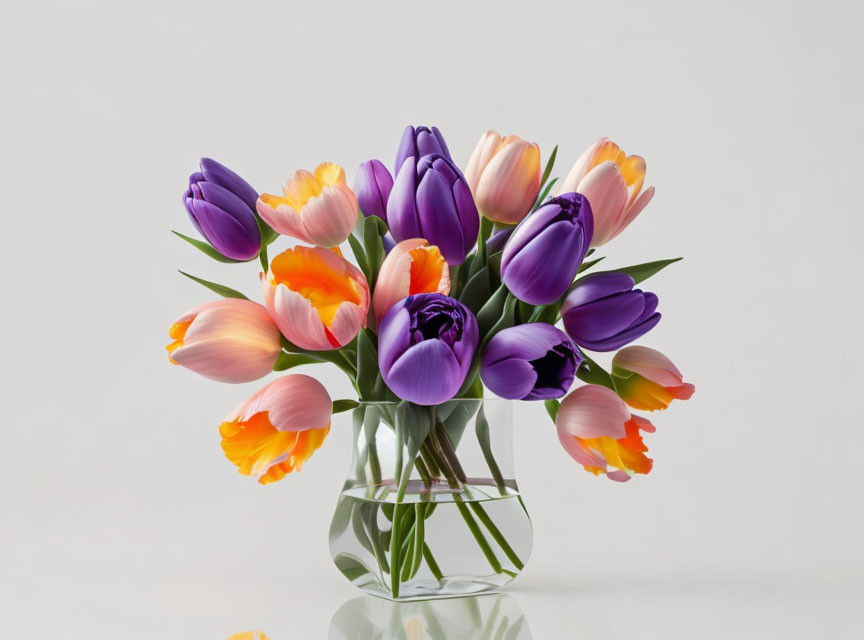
{"x": 119, "y": 517}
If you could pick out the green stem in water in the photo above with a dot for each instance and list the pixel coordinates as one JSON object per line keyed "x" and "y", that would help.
{"x": 496, "y": 535}
{"x": 430, "y": 562}
{"x": 478, "y": 536}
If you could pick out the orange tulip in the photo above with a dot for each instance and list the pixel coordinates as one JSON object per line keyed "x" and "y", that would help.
{"x": 277, "y": 429}
{"x": 318, "y": 208}
{"x": 596, "y": 429}
{"x": 318, "y": 299}
{"x": 412, "y": 266}
{"x": 612, "y": 182}
{"x": 227, "y": 340}
{"x": 648, "y": 380}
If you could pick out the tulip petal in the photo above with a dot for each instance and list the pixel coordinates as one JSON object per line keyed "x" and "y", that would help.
{"x": 650, "y": 364}
{"x": 217, "y": 173}
{"x": 281, "y": 217}
{"x": 592, "y": 411}
{"x": 402, "y": 207}
{"x": 606, "y": 190}
{"x": 225, "y": 233}
{"x": 412, "y": 378}
{"x": 512, "y": 378}
{"x": 328, "y": 219}
{"x": 527, "y": 274}
{"x": 295, "y": 402}
{"x": 436, "y": 210}
{"x": 297, "y": 319}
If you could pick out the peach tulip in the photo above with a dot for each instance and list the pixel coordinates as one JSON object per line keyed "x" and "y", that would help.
{"x": 504, "y": 176}
{"x": 412, "y": 266}
{"x": 598, "y": 431}
{"x": 318, "y": 208}
{"x": 318, "y": 299}
{"x": 278, "y": 428}
{"x": 611, "y": 180}
{"x": 228, "y": 340}
{"x": 646, "y": 379}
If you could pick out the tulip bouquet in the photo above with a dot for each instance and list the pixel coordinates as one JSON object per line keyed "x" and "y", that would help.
{"x": 457, "y": 283}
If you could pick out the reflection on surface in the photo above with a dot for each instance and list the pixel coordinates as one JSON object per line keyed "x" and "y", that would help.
{"x": 489, "y": 617}
{"x": 249, "y": 635}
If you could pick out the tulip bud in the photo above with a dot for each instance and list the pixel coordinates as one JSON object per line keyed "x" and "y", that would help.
{"x": 431, "y": 200}
{"x": 646, "y": 379}
{"x": 544, "y": 253}
{"x": 597, "y": 431}
{"x": 532, "y": 361}
{"x": 604, "y": 312}
{"x": 411, "y": 267}
{"x": 228, "y": 340}
{"x": 372, "y": 187}
{"x": 504, "y": 176}
{"x": 611, "y": 180}
{"x": 318, "y": 299}
{"x": 425, "y": 347}
{"x": 278, "y": 428}
{"x": 318, "y": 208}
{"x": 221, "y": 205}
{"x": 418, "y": 142}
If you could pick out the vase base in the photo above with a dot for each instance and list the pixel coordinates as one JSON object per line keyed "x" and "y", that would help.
{"x": 451, "y": 587}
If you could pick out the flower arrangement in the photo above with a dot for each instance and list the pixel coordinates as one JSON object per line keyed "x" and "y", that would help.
{"x": 457, "y": 283}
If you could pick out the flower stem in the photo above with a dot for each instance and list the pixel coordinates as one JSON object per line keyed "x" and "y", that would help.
{"x": 430, "y": 562}
{"x": 496, "y": 535}
{"x": 478, "y": 536}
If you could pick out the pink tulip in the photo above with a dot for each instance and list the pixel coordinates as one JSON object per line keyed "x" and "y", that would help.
{"x": 278, "y": 428}
{"x": 228, "y": 340}
{"x": 318, "y": 299}
{"x": 648, "y": 380}
{"x": 412, "y": 266}
{"x": 318, "y": 208}
{"x": 611, "y": 180}
{"x": 504, "y": 176}
{"x": 598, "y": 431}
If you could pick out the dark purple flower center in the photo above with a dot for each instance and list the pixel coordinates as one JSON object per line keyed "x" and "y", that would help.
{"x": 433, "y": 317}
{"x": 556, "y": 368}
{"x": 570, "y": 205}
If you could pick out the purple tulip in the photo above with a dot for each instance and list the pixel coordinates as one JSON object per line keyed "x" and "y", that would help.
{"x": 221, "y": 205}
{"x": 544, "y": 253}
{"x": 418, "y": 142}
{"x": 426, "y": 343}
{"x": 431, "y": 200}
{"x": 532, "y": 361}
{"x": 604, "y": 311}
{"x": 372, "y": 187}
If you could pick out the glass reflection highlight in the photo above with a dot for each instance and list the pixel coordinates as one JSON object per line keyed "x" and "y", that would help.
{"x": 485, "y": 617}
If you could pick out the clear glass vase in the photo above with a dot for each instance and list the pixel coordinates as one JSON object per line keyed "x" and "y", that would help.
{"x": 431, "y": 507}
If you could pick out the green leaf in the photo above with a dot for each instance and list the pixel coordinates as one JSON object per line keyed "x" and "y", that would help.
{"x": 491, "y": 310}
{"x": 641, "y": 272}
{"x": 543, "y": 194}
{"x": 268, "y": 235}
{"x": 359, "y": 255}
{"x": 592, "y": 373}
{"x": 344, "y": 405}
{"x": 367, "y": 364}
{"x": 287, "y": 361}
{"x": 477, "y": 290}
{"x": 590, "y": 263}
{"x": 552, "y": 407}
{"x": 221, "y": 289}
{"x": 206, "y": 249}
{"x": 373, "y": 246}
{"x": 351, "y": 566}
{"x": 549, "y": 164}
